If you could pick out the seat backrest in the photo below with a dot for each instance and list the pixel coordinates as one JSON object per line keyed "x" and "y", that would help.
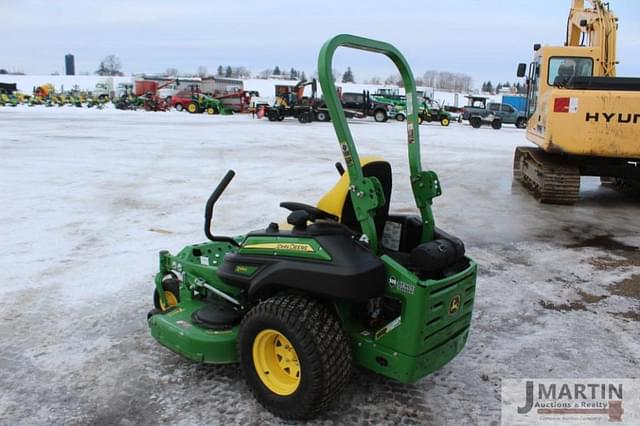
{"x": 338, "y": 202}
{"x": 565, "y": 72}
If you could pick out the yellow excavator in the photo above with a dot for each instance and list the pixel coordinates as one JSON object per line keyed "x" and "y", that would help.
{"x": 584, "y": 119}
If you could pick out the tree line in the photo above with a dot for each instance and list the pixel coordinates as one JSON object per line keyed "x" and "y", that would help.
{"x": 440, "y": 80}
{"x": 517, "y": 87}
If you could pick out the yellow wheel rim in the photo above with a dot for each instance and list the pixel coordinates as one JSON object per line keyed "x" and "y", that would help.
{"x": 276, "y": 362}
{"x": 210, "y": 110}
{"x": 445, "y": 122}
{"x": 172, "y": 300}
{"x": 192, "y": 108}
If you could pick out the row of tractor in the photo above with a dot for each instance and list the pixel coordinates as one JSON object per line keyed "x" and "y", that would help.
{"x": 143, "y": 95}
{"x": 46, "y": 95}
{"x": 382, "y": 105}
{"x": 290, "y": 101}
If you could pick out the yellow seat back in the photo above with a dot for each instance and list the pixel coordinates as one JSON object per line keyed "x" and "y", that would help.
{"x": 333, "y": 201}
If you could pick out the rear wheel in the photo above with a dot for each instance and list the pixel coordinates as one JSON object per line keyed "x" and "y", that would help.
{"x": 294, "y": 355}
{"x": 304, "y": 117}
{"x": 380, "y": 116}
{"x": 322, "y": 116}
{"x": 475, "y": 122}
{"x": 273, "y": 115}
{"x": 179, "y": 107}
{"x": 521, "y": 123}
{"x": 193, "y": 107}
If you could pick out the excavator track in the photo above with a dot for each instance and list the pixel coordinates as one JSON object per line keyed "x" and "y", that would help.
{"x": 552, "y": 179}
{"x": 630, "y": 187}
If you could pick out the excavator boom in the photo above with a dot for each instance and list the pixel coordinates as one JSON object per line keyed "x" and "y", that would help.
{"x": 594, "y": 27}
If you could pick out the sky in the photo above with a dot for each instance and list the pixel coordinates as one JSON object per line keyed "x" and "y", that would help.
{"x": 483, "y": 38}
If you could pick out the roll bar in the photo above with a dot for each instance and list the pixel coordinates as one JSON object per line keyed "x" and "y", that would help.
{"x": 366, "y": 193}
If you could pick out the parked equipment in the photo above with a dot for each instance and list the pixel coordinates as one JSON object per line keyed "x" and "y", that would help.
{"x": 152, "y": 102}
{"x": 238, "y": 101}
{"x": 379, "y": 110}
{"x": 583, "y": 118}
{"x": 8, "y": 94}
{"x": 297, "y": 305}
{"x": 477, "y": 120}
{"x": 126, "y": 101}
{"x": 203, "y": 103}
{"x": 293, "y": 103}
{"x": 487, "y": 112}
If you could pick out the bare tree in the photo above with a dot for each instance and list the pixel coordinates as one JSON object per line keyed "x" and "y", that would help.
{"x": 430, "y": 78}
{"x": 375, "y": 80}
{"x": 241, "y": 72}
{"x": 110, "y": 65}
{"x": 446, "y": 80}
{"x": 171, "y": 72}
{"x": 394, "y": 79}
{"x": 202, "y": 71}
{"x": 264, "y": 74}
{"x": 336, "y": 74}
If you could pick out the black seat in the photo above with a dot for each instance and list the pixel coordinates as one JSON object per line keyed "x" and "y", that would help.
{"x": 382, "y": 171}
{"x": 565, "y": 72}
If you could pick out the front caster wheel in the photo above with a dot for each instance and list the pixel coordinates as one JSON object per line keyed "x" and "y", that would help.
{"x": 171, "y": 287}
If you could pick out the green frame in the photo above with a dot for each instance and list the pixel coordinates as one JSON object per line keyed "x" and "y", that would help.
{"x": 366, "y": 192}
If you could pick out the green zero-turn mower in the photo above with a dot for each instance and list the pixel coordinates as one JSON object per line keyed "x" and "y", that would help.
{"x": 345, "y": 282}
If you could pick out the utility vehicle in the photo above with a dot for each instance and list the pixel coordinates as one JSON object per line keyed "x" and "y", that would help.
{"x": 344, "y": 283}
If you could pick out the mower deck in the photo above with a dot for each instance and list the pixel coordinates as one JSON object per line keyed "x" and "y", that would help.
{"x": 176, "y": 330}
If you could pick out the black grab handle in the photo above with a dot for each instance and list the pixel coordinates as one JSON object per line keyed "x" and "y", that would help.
{"x": 208, "y": 211}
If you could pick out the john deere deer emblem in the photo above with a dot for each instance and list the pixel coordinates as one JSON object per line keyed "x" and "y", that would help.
{"x": 454, "y": 305}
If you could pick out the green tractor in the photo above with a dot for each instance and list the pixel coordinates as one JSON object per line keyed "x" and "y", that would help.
{"x": 8, "y": 99}
{"x": 203, "y": 103}
{"x": 344, "y": 283}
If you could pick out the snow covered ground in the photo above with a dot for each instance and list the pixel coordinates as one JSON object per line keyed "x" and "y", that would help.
{"x": 89, "y": 197}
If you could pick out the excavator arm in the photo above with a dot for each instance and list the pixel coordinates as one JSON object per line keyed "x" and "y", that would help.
{"x": 594, "y": 27}
{"x": 168, "y": 83}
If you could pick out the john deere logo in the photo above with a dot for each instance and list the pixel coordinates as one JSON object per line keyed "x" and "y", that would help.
{"x": 454, "y": 305}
